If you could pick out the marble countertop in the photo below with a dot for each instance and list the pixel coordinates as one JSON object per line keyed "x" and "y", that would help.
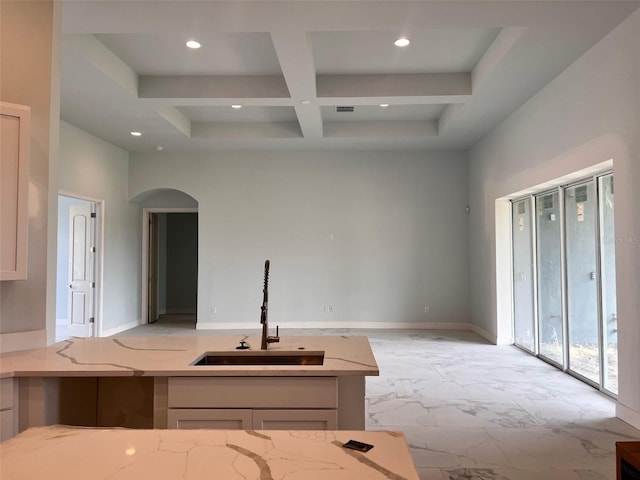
{"x": 121, "y": 454}
{"x": 174, "y": 355}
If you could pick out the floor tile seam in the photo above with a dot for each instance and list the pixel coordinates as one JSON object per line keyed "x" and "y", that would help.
{"x": 497, "y": 444}
{"x": 460, "y": 457}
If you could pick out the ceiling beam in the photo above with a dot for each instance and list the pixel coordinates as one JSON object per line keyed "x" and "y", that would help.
{"x": 392, "y": 85}
{"x": 382, "y": 129}
{"x": 247, "y": 130}
{"x": 295, "y": 55}
{"x": 218, "y": 86}
{"x": 94, "y": 52}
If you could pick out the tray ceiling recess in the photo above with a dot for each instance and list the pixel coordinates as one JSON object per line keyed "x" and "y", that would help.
{"x": 281, "y": 75}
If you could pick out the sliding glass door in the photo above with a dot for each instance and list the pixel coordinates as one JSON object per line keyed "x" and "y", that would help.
{"x": 564, "y": 295}
{"x": 549, "y": 277}
{"x": 582, "y": 280}
{"x": 608, "y": 284}
{"x": 523, "y": 291}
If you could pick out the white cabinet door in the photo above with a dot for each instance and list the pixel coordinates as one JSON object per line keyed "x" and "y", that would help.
{"x": 6, "y": 425}
{"x": 214, "y": 419}
{"x": 295, "y": 420}
{"x": 14, "y": 186}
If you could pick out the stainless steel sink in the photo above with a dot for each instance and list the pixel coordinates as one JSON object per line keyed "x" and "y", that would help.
{"x": 262, "y": 357}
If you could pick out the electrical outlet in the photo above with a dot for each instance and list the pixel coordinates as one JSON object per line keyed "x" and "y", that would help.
{"x": 427, "y": 309}
{"x": 214, "y": 310}
{"x": 328, "y": 308}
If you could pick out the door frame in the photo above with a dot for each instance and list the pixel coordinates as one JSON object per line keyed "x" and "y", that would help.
{"x": 146, "y": 211}
{"x": 99, "y": 255}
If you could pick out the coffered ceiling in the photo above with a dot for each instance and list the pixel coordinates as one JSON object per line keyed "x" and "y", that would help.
{"x": 290, "y": 64}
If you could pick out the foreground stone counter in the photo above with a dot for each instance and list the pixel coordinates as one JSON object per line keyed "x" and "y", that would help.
{"x": 121, "y": 454}
{"x": 152, "y": 382}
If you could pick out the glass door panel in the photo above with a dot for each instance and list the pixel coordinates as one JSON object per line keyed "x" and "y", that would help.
{"x": 523, "y": 275}
{"x": 608, "y": 284}
{"x": 582, "y": 283}
{"x": 549, "y": 277}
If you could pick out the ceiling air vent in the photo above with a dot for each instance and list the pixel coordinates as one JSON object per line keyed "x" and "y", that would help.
{"x": 345, "y": 109}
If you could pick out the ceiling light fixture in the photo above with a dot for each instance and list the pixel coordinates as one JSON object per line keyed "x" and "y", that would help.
{"x": 402, "y": 42}
{"x": 384, "y": 105}
{"x": 136, "y": 134}
{"x": 305, "y": 102}
{"x": 193, "y": 44}
{"x": 236, "y": 106}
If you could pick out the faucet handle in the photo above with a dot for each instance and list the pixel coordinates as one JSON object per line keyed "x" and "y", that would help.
{"x": 273, "y": 338}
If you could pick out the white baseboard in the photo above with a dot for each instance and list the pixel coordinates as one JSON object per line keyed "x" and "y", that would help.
{"x": 178, "y": 311}
{"x": 338, "y": 325}
{"x": 627, "y": 415}
{"x": 491, "y": 338}
{"x": 12, "y": 342}
{"x": 120, "y": 328}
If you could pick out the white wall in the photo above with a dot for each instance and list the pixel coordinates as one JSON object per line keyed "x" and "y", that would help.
{"x": 26, "y": 32}
{"x": 92, "y": 168}
{"x": 587, "y": 115}
{"x": 376, "y": 235}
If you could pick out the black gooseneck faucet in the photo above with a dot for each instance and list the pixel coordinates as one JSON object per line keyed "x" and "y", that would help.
{"x": 266, "y": 338}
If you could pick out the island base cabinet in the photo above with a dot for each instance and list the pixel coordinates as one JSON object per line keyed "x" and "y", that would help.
{"x": 247, "y": 419}
{"x": 261, "y": 403}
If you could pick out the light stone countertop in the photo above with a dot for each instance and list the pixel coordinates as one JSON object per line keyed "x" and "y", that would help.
{"x": 76, "y": 453}
{"x": 174, "y": 355}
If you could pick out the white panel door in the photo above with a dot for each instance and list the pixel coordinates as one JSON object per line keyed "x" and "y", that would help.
{"x": 81, "y": 270}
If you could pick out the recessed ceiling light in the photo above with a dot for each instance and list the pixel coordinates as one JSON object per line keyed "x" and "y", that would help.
{"x": 159, "y": 148}
{"x": 384, "y": 105}
{"x": 136, "y": 134}
{"x": 402, "y": 42}
{"x": 236, "y": 106}
{"x": 193, "y": 44}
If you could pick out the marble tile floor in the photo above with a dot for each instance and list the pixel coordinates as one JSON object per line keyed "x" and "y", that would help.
{"x": 475, "y": 411}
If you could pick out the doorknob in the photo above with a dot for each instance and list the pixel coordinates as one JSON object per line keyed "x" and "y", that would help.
{"x": 70, "y": 285}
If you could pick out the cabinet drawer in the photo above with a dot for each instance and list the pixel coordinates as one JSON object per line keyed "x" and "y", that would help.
{"x": 252, "y": 392}
{"x": 221, "y": 419}
{"x": 295, "y": 419}
{"x": 6, "y": 393}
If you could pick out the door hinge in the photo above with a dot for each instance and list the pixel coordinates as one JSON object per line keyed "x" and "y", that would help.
{"x": 92, "y": 320}
{"x": 93, "y": 214}
{"x": 93, "y": 284}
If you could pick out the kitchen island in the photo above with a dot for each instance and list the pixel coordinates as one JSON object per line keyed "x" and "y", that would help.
{"x": 153, "y": 382}
{"x": 123, "y": 454}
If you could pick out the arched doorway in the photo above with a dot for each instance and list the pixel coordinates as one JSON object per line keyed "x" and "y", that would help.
{"x": 169, "y": 257}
